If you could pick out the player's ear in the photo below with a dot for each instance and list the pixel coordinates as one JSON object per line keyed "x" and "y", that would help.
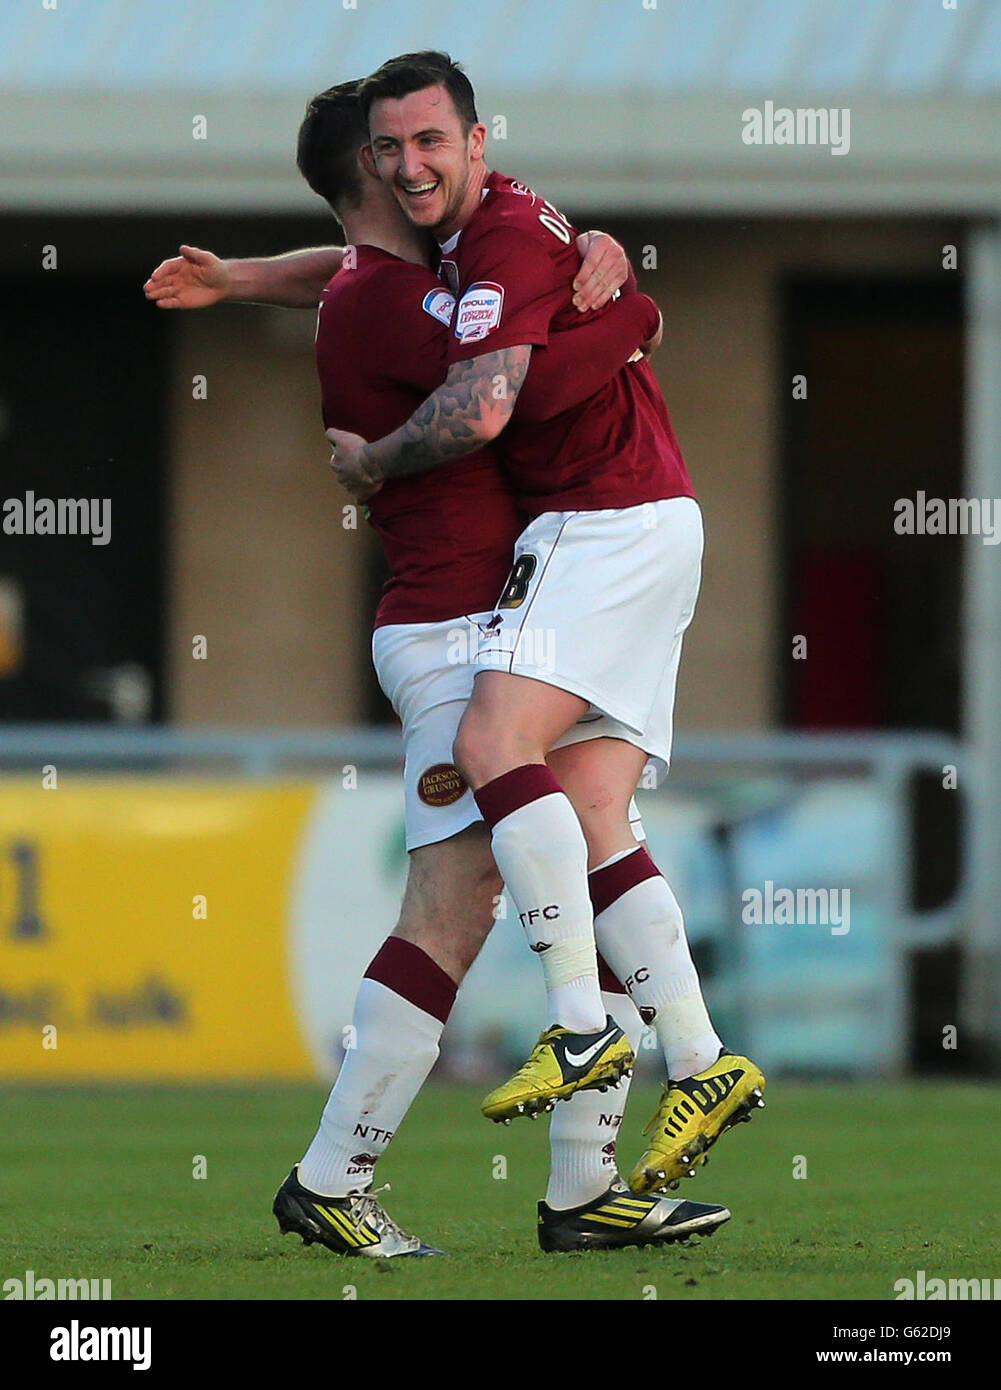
{"x": 367, "y": 159}
{"x": 477, "y": 141}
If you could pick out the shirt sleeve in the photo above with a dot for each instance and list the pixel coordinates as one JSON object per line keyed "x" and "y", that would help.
{"x": 511, "y": 288}
{"x": 581, "y": 359}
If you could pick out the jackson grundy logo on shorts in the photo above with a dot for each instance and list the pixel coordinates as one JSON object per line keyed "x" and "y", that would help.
{"x": 442, "y": 785}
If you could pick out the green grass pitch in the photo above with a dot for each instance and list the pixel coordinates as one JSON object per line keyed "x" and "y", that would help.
{"x": 97, "y": 1183}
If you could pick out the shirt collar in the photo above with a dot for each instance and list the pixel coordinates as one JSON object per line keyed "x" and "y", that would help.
{"x": 447, "y": 247}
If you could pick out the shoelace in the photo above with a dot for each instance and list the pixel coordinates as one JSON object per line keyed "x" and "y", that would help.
{"x": 535, "y": 1053}
{"x": 364, "y": 1207}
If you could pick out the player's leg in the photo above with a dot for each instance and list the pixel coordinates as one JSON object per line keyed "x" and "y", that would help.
{"x": 537, "y": 839}
{"x": 448, "y": 903}
{"x": 587, "y": 1205}
{"x": 582, "y": 1133}
{"x": 638, "y": 923}
{"x": 640, "y": 931}
{"x": 407, "y": 993}
{"x": 589, "y": 618}
{"x": 540, "y": 850}
{"x": 401, "y": 1008}
{"x": 600, "y": 775}
{"x": 402, "y": 1005}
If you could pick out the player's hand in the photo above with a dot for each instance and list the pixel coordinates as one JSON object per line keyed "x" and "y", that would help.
{"x": 604, "y": 269}
{"x": 352, "y": 466}
{"x": 193, "y": 280}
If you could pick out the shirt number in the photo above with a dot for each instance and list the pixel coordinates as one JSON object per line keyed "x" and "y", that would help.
{"x": 556, "y": 223}
{"x": 517, "y": 582}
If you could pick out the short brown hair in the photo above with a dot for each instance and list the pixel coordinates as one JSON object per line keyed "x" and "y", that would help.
{"x": 333, "y": 130}
{"x": 412, "y": 72}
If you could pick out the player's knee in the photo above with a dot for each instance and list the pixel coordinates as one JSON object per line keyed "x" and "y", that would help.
{"x": 482, "y": 751}
{"x": 598, "y": 815}
{"x": 606, "y": 827}
{"x": 479, "y": 898}
{"x": 472, "y": 751}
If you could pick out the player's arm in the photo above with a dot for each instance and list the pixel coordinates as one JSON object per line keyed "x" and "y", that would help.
{"x": 651, "y": 344}
{"x": 581, "y": 360}
{"x": 513, "y": 286}
{"x": 197, "y": 279}
{"x": 467, "y": 411}
{"x": 577, "y": 362}
{"x": 479, "y": 395}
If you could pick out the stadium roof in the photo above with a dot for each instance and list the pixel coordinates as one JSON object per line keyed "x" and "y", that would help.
{"x": 612, "y": 103}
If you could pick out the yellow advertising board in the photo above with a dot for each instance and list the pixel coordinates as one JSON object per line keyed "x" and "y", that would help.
{"x": 143, "y": 928}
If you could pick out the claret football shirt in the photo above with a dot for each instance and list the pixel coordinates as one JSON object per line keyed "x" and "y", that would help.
{"x": 511, "y": 269}
{"x": 381, "y": 347}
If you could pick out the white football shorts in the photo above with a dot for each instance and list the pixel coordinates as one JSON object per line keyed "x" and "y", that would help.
{"x": 426, "y": 672}
{"x": 597, "y": 604}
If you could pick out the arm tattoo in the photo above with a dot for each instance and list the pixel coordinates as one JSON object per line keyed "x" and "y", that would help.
{"x": 471, "y": 407}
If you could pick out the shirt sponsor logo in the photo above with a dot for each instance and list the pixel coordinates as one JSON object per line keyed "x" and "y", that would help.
{"x": 441, "y": 785}
{"x": 479, "y": 311}
{"x": 440, "y": 304}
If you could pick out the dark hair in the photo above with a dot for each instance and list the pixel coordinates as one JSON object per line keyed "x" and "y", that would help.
{"x": 333, "y": 130}
{"x": 412, "y": 72}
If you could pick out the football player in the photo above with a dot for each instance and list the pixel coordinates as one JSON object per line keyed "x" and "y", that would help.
{"x": 381, "y": 342}
{"x": 608, "y": 569}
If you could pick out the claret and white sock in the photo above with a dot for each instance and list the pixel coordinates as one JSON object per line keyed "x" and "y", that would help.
{"x": 541, "y": 852}
{"x": 640, "y": 932}
{"x": 401, "y": 1007}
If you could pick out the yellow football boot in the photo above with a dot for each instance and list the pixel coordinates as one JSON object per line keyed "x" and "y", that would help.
{"x": 690, "y": 1118}
{"x": 561, "y": 1064}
